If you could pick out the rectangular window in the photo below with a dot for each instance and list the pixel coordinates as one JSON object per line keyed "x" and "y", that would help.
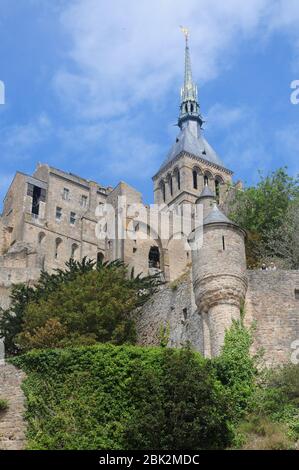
{"x": 297, "y": 294}
{"x": 58, "y": 213}
{"x": 84, "y": 200}
{"x": 72, "y": 218}
{"x": 66, "y": 194}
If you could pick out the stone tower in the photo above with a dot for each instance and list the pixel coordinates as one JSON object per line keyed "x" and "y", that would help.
{"x": 191, "y": 162}
{"x": 219, "y": 276}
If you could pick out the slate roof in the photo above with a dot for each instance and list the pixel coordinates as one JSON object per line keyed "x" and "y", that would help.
{"x": 216, "y": 216}
{"x": 196, "y": 146}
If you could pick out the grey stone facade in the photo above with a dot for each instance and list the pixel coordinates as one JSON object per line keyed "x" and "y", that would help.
{"x": 271, "y": 305}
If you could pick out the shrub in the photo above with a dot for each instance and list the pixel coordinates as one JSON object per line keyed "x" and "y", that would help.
{"x": 84, "y": 304}
{"x": 3, "y": 404}
{"x": 123, "y": 397}
{"x": 236, "y": 368}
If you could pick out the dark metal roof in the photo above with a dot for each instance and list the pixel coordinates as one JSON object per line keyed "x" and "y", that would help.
{"x": 206, "y": 192}
{"x": 216, "y": 216}
{"x": 196, "y": 146}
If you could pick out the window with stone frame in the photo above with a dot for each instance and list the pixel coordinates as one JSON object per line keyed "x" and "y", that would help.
{"x": 58, "y": 214}
{"x": 66, "y": 194}
{"x": 84, "y": 201}
{"x": 72, "y": 218}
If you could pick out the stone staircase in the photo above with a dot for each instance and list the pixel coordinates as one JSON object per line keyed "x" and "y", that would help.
{"x": 12, "y": 425}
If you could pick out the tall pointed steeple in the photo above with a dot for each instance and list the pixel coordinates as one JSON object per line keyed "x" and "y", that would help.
{"x": 189, "y": 108}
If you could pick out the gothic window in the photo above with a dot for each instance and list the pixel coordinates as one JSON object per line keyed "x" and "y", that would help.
{"x": 206, "y": 180}
{"x": 194, "y": 179}
{"x": 58, "y": 246}
{"x": 170, "y": 184}
{"x": 217, "y": 191}
{"x": 178, "y": 178}
{"x": 191, "y": 108}
{"x": 162, "y": 186}
{"x": 154, "y": 257}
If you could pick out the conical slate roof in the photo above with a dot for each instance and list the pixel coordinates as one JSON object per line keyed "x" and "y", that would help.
{"x": 196, "y": 146}
{"x": 216, "y": 216}
{"x": 206, "y": 192}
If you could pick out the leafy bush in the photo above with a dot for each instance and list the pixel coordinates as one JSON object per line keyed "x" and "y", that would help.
{"x": 3, "y": 404}
{"x": 237, "y": 368}
{"x": 182, "y": 407}
{"x": 84, "y": 304}
{"x": 123, "y": 397}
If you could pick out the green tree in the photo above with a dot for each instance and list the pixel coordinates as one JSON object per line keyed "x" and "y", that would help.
{"x": 262, "y": 209}
{"x": 83, "y": 304}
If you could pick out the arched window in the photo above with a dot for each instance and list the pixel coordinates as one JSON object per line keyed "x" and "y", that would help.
{"x": 177, "y": 177}
{"x": 206, "y": 180}
{"x": 154, "y": 258}
{"x": 41, "y": 238}
{"x": 100, "y": 257}
{"x": 217, "y": 191}
{"x": 195, "y": 186}
{"x": 75, "y": 250}
{"x": 170, "y": 184}
{"x": 58, "y": 247}
{"x": 191, "y": 108}
{"x": 162, "y": 187}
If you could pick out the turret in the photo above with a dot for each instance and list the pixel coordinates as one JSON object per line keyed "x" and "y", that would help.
{"x": 207, "y": 199}
{"x": 219, "y": 277}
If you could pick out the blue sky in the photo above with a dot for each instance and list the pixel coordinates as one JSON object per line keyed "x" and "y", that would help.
{"x": 92, "y": 87}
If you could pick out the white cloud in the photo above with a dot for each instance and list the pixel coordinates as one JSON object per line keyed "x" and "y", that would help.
{"x": 19, "y": 139}
{"x": 123, "y": 53}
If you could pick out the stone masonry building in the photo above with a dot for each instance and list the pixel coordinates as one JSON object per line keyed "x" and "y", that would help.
{"x": 51, "y": 216}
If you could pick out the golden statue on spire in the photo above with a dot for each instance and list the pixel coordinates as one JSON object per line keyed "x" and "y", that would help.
{"x": 185, "y": 32}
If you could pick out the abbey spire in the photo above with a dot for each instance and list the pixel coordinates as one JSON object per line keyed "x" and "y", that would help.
{"x": 189, "y": 108}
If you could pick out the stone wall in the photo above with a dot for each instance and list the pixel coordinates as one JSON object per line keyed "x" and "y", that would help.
{"x": 12, "y": 425}
{"x": 172, "y": 307}
{"x": 271, "y": 303}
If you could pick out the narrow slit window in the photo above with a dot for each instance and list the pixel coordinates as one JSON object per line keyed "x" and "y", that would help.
{"x": 223, "y": 242}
